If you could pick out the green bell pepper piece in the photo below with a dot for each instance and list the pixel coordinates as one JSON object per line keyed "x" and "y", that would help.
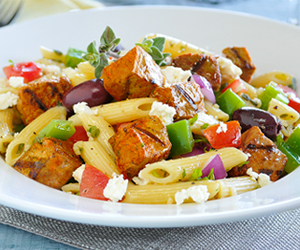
{"x": 181, "y": 137}
{"x": 230, "y": 101}
{"x": 60, "y": 129}
{"x": 271, "y": 92}
{"x": 74, "y": 57}
{"x": 293, "y": 158}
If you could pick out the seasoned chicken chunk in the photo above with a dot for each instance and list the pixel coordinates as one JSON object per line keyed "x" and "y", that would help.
{"x": 203, "y": 65}
{"x": 186, "y": 98}
{"x": 134, "y": 75}
{"x": 50, "y": 162}
{"x": 264, "y": 157}
{"x": 241, "y": 58}
{"x": 140, "y": 142}
{"x": 41, "y": 95}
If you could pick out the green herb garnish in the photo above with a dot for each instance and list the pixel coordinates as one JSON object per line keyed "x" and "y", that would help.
{"x": 94, "y": 131}
{"x": 98, "y": 58}
{"x": 155, "y": 47}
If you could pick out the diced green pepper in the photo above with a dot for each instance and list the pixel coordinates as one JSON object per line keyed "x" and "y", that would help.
{"x": 293, "y": 158}
{"x": 181, "y": 137}
{"x": 60, "y": 129}
{"x": 230, "y": 101}
{"x": 74, "y": 57}
{"x": 271, "y": 92}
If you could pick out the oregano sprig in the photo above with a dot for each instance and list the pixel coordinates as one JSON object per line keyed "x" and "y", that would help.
{"x": 98, "y": 58}
{"x": 155, "y": 47}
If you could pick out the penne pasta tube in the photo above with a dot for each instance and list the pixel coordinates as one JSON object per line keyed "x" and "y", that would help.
{"x": 106, "y": 130}
{"x": 87, "y": 69}
{"x": 178, "y": 47}
{"x": 125, "y": 111}
{"x": 6, "y": 128}
{"x": 23, "y": 141}
{"x": 235, "y": 185}
{"x": 215, "y": 111}
{"x": 285, "y": 114}
{"x": 182, "y": 169}
{"x": 94, "y": 154}
{"x": 164, "y": 194}
{"x": 280, "y": 77}
{"x": 52, "y": 54}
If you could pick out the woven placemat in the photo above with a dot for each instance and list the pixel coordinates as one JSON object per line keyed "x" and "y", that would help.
{"x": 276, "y": 231}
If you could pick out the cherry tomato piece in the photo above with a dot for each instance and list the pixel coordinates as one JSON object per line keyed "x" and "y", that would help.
{"x": 29, "y": 70}
{"x": 92, "y": 184}
{"x": 79, "y": 135}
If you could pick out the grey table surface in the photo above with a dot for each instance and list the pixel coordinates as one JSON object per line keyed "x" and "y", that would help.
{"x": 17, "y": 239}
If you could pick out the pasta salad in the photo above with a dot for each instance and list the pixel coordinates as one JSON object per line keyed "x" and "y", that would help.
{"x": 165, "y": 122}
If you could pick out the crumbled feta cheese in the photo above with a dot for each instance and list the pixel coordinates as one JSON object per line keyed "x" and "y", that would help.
{"x": 16, "y": 81}
{"x": 198, "y": 193}
{"x": 82, "y": 108}
{"x": 222, "y": 128}
{"x": 262, "y": 179}
{"x": 228, "y": 69}
{"x": 254, "y": 175}
{"x": 163, "y": 111}
{"x": 7, "y": 100}
{"x": 77, "y": 174}
{"x": 115, "y": 188}
{"x": 175, "y": 74}
{"x": 202, "y": 120}
{"x": 52, "y": 69}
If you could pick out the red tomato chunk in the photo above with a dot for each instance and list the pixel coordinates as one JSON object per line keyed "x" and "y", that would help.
{"x": 29, "y": 70}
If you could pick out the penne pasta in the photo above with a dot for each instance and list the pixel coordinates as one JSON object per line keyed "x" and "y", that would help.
{"x": 235, "y": 185}
{"x": 285, "y": 114}
{"x": 173, "y": 169}
{"x": 215, "y": 111}
{"x": 280, "y": 77}
{"x": 87, "y": 69}
{"x": 106, "y": 130}
{"x": 165, "y": 194}
{"x": 52, "y": 54}
{"x": 125, "y": 111}
{"x": 94, "y": 154}
{"x": 6, "y": 128}
{"x": 23, "y": 141}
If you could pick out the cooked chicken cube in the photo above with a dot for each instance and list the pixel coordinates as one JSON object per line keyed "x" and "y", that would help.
{"x": 140, "y": 142}
{"x": 241, "y": 58}
{"x": 41, "y": 95}
{"x": 50, "y": 162}
{"x": 134, "y": 75}
{"x": 264, "y": 157}
{"x": 203, "y": 65}
{"x": 186, "y": 98}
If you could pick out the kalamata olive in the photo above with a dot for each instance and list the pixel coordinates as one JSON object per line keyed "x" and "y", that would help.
{"x": 249, "y": 117}
{"x": 92, "y": 92}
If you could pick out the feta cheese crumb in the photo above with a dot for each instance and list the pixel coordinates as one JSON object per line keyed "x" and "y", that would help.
{"x": 16, "y": 81}
{"x": 163, "y": 111}
{"x": 222, "y": 128}
{"x": 202, "y": 120}
{"x": 7, "y": 100}
{"x": 262, "y": 179}
{"x": 77, "y": 174}
{"x": 77, "y": 147}
{"x": 52, "y": 69}
{"x": 229, "y": 70}
{"x": 82, "y": 108}
{"x": 115, "y": 188}
{"x": 198, "y": 193}
{"x": 175, "y": 74}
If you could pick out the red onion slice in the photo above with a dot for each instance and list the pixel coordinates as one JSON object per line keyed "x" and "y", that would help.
{"x": 216, "y": 163}
{"x": 205, "y": 87}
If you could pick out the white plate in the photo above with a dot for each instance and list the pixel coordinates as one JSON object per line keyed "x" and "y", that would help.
{"x": 272, "y": 45}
